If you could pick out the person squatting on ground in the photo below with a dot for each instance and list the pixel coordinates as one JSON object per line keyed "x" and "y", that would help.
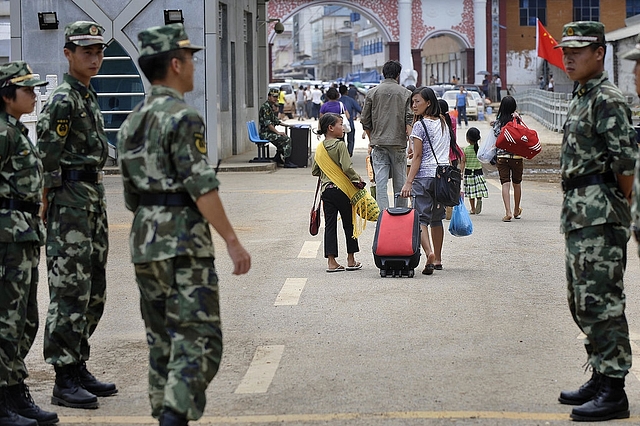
{"x": 21, "y": 235}
{"x": 335, "y": 201}
{"x": 430, "y": 136}
{"x": 475, "y": 185}
{"x": 268, "y": 122}
{"x": 170, "y": 240}
{"x": 386, "y": 120}
{"x": 597, "y": 163}
{"x": 510, "y": 166}
{"x": 73, "y": 146}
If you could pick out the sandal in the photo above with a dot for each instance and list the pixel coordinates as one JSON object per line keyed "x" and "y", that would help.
{"x": 338, "y": 268}
{"x": 428, "y": 270}
{"x": 518, "y": 213}
{"x": 355, "y": 267}
{"x": 506, "y": 218}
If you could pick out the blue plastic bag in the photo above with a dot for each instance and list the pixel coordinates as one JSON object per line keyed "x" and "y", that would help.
{"x": 460, "y": 224}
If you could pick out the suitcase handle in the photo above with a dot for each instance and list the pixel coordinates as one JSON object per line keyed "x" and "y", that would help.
{"x": 397, "y": 195}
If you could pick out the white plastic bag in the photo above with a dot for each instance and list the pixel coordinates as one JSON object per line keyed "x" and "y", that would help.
{"x": 487, "y": 150}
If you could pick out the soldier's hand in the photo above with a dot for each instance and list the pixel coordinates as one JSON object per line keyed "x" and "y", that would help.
{"x": 240, "y": 257}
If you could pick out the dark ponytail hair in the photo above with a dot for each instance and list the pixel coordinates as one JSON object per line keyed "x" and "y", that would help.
{"x": 508, "y": 106}
{"x": 444, "y": 111}
{"x": 473, "y": 135}
{"x": 328, "y": 119}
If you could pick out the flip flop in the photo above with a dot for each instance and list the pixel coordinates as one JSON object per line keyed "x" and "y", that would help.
{"x": 518, "y": 213}
{"x": 355, "y": 267}
{"x": 506, "y": 219}
{"x": 438, "y": 267}
{"x": 338, "y": 268}
{"x": 428, "y": 270}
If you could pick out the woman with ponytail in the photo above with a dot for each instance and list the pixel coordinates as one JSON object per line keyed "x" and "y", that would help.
{"x": 431, "y": 138}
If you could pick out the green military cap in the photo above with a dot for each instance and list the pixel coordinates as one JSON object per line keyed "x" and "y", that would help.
{"x": 165, "y": 38}
{"x": 274, "y": 91}
{"x": 633, "y": 54}
{"x": 84, "y": 33}
{"x": 582, "y": 34}
{"x": 18, "y": 73}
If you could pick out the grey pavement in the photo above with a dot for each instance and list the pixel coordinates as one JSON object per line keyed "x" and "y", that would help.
{"x": 487, "y": 341}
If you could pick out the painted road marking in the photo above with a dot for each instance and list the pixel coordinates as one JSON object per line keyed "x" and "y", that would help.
{"x": 303, "y": 418}
{"x": 290, "y": 292}
{"x": 309, "y": 250}
{"x": 262, "y": 369}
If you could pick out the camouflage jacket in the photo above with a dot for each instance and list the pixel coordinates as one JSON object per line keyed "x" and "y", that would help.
{"x": 20, "y": 179}
{"x": 267, "y": 116}
{"x": 598, "y": 138}
{"x": 71, "y": 136}
{"x": 161, "y": 148}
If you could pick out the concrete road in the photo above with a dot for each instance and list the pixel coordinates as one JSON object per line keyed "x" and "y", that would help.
{"x": 487, "y": 341}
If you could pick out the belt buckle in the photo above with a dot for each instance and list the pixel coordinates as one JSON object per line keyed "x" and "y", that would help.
{"x": 99, "y": 177}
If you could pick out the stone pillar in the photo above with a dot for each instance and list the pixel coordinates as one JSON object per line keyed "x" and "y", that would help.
{"x": 409, "y": 74}
{"x": 480, "y": 33}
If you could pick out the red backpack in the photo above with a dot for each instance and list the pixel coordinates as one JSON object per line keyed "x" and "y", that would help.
{"x": 518, "y": 139}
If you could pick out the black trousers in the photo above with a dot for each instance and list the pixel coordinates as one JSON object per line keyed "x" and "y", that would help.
{"x": 335, "y": 201}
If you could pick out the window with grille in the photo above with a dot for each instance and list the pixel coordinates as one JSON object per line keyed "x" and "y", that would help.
{"x": 531, "y": 10}
{"x": 586, "y": 10}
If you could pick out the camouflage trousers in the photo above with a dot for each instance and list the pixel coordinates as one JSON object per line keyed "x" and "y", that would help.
{"x": 282, "y": 143}
{"x": 77, "y": 246}
{"x": 18, "y": 308}
{"x": 595, "y": 260}
{"x": 180, "y": 307}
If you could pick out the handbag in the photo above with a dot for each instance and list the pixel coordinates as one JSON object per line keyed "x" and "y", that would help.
{"x": 460, "y": 225}
{"x": 518, "y": 139}
{"x": 346, "y": 125}
{"x": 448, "y": 179}
{"x": 487, "y": 151}
{"x": 314, "y": 222}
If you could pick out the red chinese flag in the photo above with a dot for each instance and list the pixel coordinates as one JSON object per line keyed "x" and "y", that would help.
{"x": 546, "y": 45}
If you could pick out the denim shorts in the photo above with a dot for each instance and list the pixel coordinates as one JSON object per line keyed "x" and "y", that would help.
{"x": 429, "y": 211}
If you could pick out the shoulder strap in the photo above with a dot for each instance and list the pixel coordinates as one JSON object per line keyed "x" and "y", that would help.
{"x": 426, "y": 132}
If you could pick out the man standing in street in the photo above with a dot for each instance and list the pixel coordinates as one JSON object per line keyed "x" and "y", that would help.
{"x": 173, "y": 190}
{"x": 597, "y": 164}
{"x": 73, "y": 146}
{"x": 316, "y": 101}
{"x": 461, "y": 106}
{"x": 387, "y": 119}
{"x": 268, "y": 122}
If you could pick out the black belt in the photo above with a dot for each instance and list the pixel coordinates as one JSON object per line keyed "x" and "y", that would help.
{"x": 81, "y": 175}
{"x": 476, "y": 172}
{"x": 588, "y": 180}
{"x": 172, "y": 199}
{"x": 23, "y": 206}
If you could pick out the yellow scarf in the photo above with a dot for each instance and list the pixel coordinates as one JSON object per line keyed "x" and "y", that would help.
{"x": 364, "y": 205}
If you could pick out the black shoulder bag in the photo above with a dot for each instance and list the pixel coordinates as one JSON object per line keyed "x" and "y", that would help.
{"x": 448, "y": 179}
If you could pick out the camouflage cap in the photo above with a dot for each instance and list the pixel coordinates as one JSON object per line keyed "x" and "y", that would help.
{"x": 633, "y": 54}
{"x": 165, "y": 38}
{"x": 274, "y": 92}
{"x": 582, "y": 34}
{"x": 18, "y": 73}
{"x": 84, "y": 33}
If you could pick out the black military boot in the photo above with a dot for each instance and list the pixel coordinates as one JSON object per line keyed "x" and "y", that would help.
{"x": 609, "y": 403}
{"x": 584, "y": 394}
{"x": 93, "y": 385}
{"x": 8, "y": 417}
{"x": 24, "y": 405}
{"x": 171, "y": 418}
{"x": 68, "y": 390}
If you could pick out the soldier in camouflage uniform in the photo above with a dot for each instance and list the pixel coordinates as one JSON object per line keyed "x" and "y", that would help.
{"x": 21, "y": 235}
{"x": 73, "y": 146}
{"x": 268, "y": 122}
{"x": 172, "y": 188}
{"x": 597, "y": 164}
{"x": 634, "y": 55}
